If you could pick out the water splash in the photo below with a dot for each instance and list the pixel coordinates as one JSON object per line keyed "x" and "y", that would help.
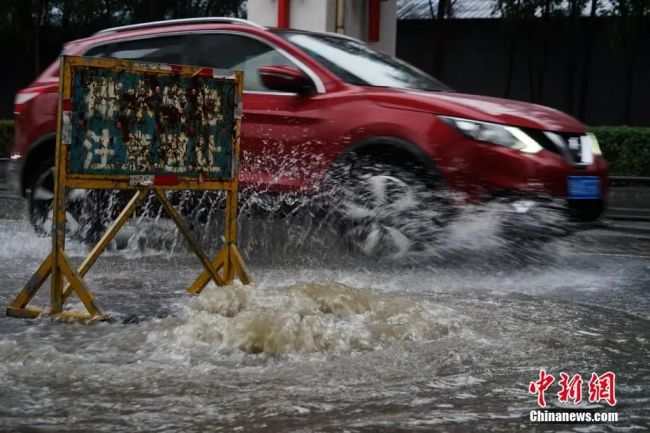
{"x": 302, "y": 318}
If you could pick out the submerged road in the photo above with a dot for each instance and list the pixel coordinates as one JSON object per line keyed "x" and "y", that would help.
{"x": 325, "y": 343}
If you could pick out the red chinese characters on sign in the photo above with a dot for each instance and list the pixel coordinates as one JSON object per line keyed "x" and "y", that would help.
{"x": 601, "y": 388}
{"x": 540, "y": 386}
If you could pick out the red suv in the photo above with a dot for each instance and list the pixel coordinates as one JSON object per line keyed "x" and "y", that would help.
{"x": 321, "y": 109}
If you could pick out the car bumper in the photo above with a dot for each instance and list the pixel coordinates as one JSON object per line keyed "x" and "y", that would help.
{"x": 573, "y": 210}
{"x": 541, "y": 218}
{"x": 483, "y": 171}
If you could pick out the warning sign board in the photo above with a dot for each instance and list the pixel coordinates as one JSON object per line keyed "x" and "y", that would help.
{"x": 146, "y": 127}
{"x": 135, "y": 121}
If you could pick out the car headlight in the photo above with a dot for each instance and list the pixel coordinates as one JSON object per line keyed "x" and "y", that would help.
{"x": 595, "y": 147}
{"x": 502, "y": 135}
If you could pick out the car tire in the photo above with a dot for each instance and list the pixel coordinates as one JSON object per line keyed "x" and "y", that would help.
{"x": 41, "y": 194}
{"x": 385, "y": 210}
{"x": 83, "y": 216}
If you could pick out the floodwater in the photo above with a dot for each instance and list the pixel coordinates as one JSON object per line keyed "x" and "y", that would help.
{"x": 324, "y": 342}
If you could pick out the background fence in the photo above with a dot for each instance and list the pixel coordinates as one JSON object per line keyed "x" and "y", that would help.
{"x": 596, "y": 68}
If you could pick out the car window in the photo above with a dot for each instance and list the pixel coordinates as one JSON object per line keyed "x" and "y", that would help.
{"x": 99, "y": 51}
{"x": 165, "y": 49}
{"x": 356, "y": 63}
{"x": 236, "y": 52}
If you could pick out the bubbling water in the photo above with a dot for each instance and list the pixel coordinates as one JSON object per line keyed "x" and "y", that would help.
{"x": 302, "y": 318}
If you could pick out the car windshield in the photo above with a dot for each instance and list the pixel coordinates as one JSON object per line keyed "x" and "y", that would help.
{"x": 355, "y": 63}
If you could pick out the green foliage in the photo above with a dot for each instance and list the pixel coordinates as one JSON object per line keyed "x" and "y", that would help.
{"x": 625, "y": 8}
{"x": 546, "y": 8}
{"x": 94, "y": 15}
{"x": 6, "y": 137}
{"x": 528, "y": 8}
{"x": 627, "y": 149}
{"x": 30, "y": 23}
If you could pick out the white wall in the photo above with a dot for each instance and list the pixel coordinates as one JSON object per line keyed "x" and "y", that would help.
{"x": 315, "y": 15}
{"x": 356, "y": 19}
{"x": 320, "y": 16}
{"x": 264, "y": 12}
{"x": 388, "y": 28}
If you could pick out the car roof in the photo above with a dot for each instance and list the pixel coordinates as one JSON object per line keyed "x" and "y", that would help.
{"x": 195, "y": 24}
{"x": 176, "y": 22}
{"x": 280, "y": 31}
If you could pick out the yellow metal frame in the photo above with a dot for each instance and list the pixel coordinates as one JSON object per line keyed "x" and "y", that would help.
{"x": 57, "y": 266}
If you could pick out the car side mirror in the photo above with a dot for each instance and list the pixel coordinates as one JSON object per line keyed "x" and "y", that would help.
{"x": 285, "y": 79}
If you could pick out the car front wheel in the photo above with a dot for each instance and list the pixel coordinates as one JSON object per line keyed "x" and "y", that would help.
{"x": 80, "y": 221}
{"x": 385, "y": 210}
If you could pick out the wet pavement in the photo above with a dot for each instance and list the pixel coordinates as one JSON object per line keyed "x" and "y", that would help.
{"x": 324, "y": 342}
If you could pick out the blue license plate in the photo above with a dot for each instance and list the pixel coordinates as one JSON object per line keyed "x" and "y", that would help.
{"x": 584, "y": 187}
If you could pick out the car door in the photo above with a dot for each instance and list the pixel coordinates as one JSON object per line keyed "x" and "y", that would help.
{"x": 284, "y": 146}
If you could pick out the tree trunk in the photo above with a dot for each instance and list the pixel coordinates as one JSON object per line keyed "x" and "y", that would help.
{"x": 541, "y": 76}
{"x": 439, "y": 50}
{"x": 531, "y": 67}
{"x": 442, "y": 9}
{"x": 511, "y": 60}
{"x": 586, "y": 63}
{"x": 37, "y": 37}
{"x": 433, "y": 15}
{"x": 630, "y": 63}
{"x": 573, "y": 55}
{"x": 539, "y": 98}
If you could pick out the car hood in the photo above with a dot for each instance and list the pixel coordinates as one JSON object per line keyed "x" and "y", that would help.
{"x": 477, "y": 107}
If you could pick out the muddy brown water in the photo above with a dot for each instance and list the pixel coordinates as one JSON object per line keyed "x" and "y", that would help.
{"x": 328, "y": 344}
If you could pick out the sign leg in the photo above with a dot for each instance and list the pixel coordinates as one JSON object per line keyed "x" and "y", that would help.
{"x": 202, "y": 280}
{"x": 58, "y": 229}
{"x": 106, "y": 239}
{"x": 207, "y": 265}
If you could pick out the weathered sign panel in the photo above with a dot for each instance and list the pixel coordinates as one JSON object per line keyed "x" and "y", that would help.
{"x": 147, "y": 127}
{"x": 138, "y": 120}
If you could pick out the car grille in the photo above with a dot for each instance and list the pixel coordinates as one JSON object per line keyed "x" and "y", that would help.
{"x": 575, "y": 148}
